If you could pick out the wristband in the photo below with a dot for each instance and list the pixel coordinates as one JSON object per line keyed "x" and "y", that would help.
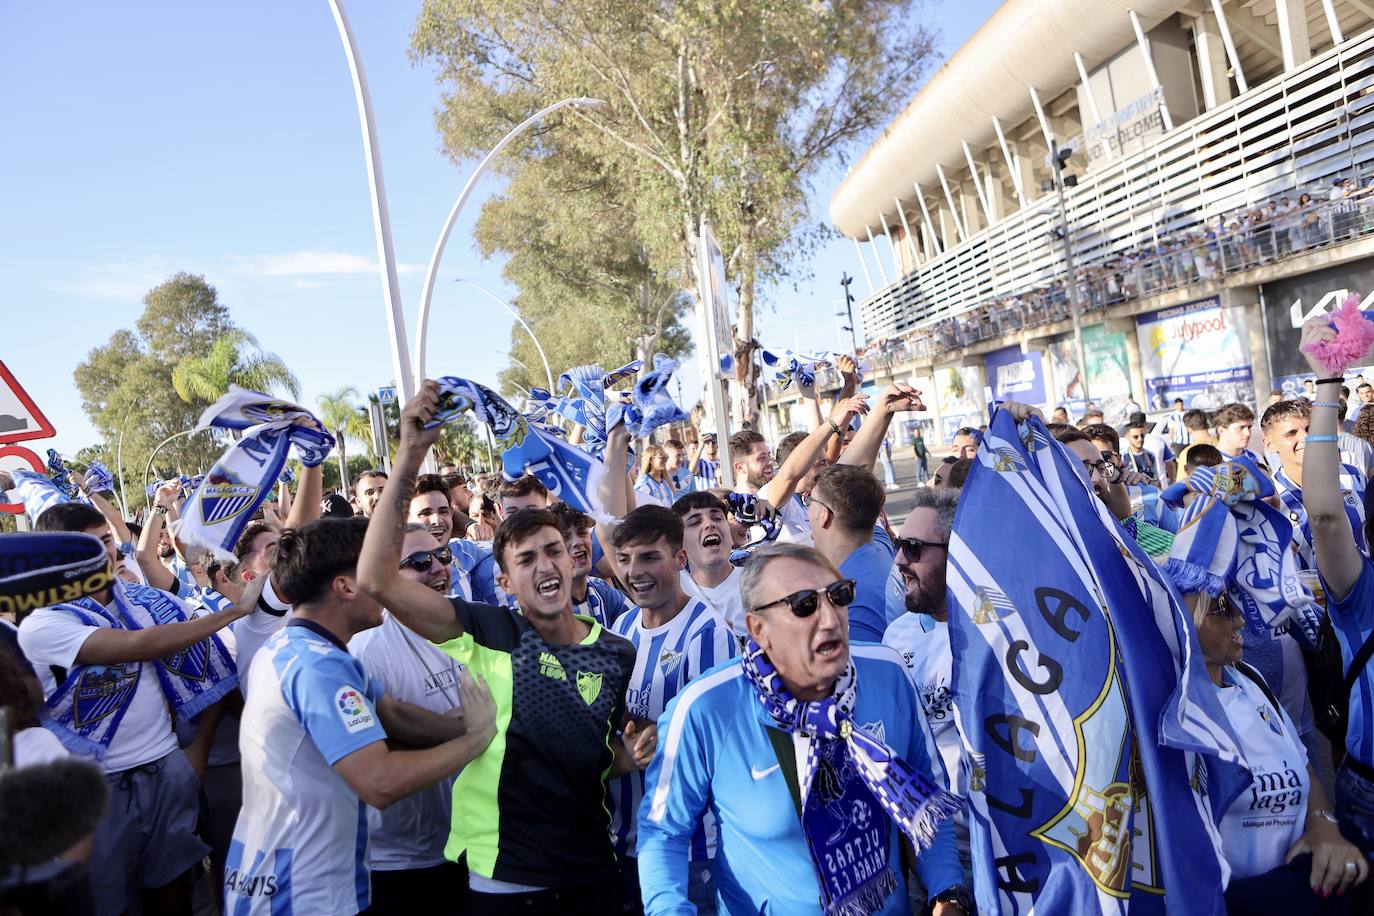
{"x": 834, "y": 426}
{"x": 1326, "y": 437}
{"x": 1334, "y": 405}
{"x": 1336, "y": 380}
{"x": 160, "y": 510}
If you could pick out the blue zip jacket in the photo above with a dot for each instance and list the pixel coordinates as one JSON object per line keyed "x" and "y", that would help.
{"x": 715, "y": 752}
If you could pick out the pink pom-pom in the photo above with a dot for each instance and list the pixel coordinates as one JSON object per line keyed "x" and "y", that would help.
{"x": 1354, "y": 337}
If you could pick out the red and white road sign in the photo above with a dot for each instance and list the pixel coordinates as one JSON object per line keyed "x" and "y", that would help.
{"x": 14, "y": 457}
{"x": 20, "y": 418}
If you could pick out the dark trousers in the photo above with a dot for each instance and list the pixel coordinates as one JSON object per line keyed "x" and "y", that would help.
{"x": 596, "y": 899}
{"x": 1285, "y": 890}
{"x": 420, "y": 890}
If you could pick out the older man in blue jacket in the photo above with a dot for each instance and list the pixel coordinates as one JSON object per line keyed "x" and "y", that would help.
{"x": 813, "y": 757}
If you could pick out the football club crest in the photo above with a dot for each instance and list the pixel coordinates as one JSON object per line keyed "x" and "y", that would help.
{"x": 222, "y": 497}
{"x": 102, "y": 690}
{"x": 991, "y": 604}
{"x": 191, "y": 663}
{"x": 669, "y": 660}
{"x": 269, "y": 411}
{"x": 589, "y": 686}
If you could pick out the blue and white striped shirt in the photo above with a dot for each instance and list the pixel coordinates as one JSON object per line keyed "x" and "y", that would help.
{"x": 706, "y": 474}
{"x": 1352, "y": 495}
{"x": 666, "y": 658}
{"x": 658, "y": 492}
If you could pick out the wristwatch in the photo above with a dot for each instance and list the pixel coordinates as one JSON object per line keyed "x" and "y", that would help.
{"x": 1324, "y": 815}
{"x": 957, "y": 896}
{"x": 160, "y": 510}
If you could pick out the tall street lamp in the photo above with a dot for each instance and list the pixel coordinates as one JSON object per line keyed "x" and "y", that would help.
{"x": 431, "y": 272}
{"x": 548, "y": 373}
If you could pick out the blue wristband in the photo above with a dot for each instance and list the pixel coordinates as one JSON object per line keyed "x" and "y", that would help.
{"x": 1334, "y": 405}
{"x": 1326, "y": 437}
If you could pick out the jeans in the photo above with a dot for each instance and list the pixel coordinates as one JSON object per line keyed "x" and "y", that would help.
{"x": 1355, "y": 808}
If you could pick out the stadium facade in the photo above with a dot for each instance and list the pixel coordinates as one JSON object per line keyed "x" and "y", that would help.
{"x": 1219, "y": 167}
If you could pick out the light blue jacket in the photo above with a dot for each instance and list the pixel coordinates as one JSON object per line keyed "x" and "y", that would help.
{"x": 715, "y": 752}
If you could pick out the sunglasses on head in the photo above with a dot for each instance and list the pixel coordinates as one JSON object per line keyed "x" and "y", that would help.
{"x": 422, "y": 561}
{"x": 805, "y": 602}
{"x": 912, "y": 548}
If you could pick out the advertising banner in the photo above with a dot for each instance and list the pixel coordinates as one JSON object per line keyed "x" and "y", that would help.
{"x": 1109, "y": 373}
{"x": 1016, "y": 376}
{"x": 960, "y": 390}
{"x": 1198, "y": 351}
{"x": 1289, "y": 303}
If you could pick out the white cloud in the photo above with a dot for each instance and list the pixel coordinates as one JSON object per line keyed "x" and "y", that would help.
{"x": 312, "y": 263}
{"x": 117, "y": 279}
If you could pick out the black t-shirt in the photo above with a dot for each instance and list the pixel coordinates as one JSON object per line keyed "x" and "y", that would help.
{"x": 531, "y": 809}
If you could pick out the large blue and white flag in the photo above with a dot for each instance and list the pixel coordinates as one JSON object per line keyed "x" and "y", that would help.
{"x": 223, "y": 504}
{"x": 37, "y": 492}
{"x": 570, "y": 473}
{"x": 1099, "y": 756}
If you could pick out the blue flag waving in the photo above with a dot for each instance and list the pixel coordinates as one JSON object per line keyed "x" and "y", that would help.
{"x": 1097, "y": 748}
{"x": 570, "y": 473}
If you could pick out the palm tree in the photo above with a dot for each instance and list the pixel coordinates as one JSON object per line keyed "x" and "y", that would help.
{"x": 234, "y": 359}
{"x": 344, "y": 418}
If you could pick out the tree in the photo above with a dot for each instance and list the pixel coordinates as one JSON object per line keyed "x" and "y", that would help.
{"x": 126, "y": 385}
{"x": 233, "y": 359}
{"x": 345, "y": 419}
{"x": 723, "y": 111}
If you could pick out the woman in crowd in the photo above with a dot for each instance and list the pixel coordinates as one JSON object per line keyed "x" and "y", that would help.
{"x": 653, "y": 485}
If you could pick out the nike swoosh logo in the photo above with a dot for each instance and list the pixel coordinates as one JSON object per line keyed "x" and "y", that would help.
{"x": 760, "y": 774}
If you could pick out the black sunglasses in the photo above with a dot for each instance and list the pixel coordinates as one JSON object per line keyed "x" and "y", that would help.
{"x": 805, "y": 602}
{"x": 1223, "y": 608}
{"x": 912, "y": 548}
{"x": 422, "y": 561}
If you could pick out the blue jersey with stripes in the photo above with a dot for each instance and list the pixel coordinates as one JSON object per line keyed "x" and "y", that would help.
{"x": 300, "y": 843}
{"x": 1352, "y": 496}
{"x": 666, "y": 658}
{"x": 604, "y": 602}
{"x": 1352, "y": 617}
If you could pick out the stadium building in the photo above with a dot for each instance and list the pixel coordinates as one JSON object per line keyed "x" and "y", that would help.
{"x": 1217, "y": 188}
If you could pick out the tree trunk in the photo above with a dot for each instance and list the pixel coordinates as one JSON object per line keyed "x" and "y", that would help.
{"x": 343, "y": 461}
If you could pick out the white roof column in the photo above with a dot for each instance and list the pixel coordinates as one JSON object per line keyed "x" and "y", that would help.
{"x": 906, "y": 230}
{"x": 1092, "y": 102}
{"x": 858, "y": 250}
{"x": 897, "y": 272}
{"x": 1150, "y": 70}
{"x": 978, "y": 184}
{"x": 882, "y": 271}
{"x": 1332, "y": 23}
{"x": 1230, "y": 46}
{"x": 925, "y": 215}
{"x": 1293, "y": 37}
{"x": 949, "y": 199}
{"x": 1013, "y": 167}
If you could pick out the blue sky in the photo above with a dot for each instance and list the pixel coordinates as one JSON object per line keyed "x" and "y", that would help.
{"x": 222, "y": 139}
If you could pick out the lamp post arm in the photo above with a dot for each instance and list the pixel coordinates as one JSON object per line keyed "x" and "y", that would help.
{"x": 548, "y": 373}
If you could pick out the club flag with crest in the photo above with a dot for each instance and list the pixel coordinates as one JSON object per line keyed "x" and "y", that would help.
{"x": 570, "y": 473}
{"x": 223, "y": 504}
{"x": 1098, "y": 757}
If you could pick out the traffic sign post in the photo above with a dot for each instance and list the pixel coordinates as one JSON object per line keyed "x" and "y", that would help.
{"x": 387, "y": 394}
{"x": 20, "y": 418}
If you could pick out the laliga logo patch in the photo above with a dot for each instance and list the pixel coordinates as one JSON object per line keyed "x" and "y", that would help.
{"x": 222, "y": 497}
{"x": 353, "y": 710}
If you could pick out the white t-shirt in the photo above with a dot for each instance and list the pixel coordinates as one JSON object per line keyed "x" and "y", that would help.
{"x": 52, "y": 637}
{"x": 33, "y": 746}
{"x": 300, "y": 843}
{"x": 1268, "y": 817}
{"x": 412, "y": 832}
{"x": 923, "y": 643}
{"x": 250, "y": 633}
{"x": 724, "y": 598}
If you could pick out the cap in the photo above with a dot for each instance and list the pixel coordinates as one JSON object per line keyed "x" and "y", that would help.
{"x": 335, "y": 505}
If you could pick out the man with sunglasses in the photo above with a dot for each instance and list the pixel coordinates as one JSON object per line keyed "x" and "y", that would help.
{"x": 777, "y": 744}
{"x": 922, "y": 634}
{"x": 407, "y": 839}
{"x": 1146, "y": 498}
{"x": 471, "y": 567}
{"x": 844, "y": 508}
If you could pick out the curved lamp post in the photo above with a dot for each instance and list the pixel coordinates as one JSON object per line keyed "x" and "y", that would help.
{"x": 548, "y": 373}
{"x": 431, "y": 272}
{"x": 148, "y": 469}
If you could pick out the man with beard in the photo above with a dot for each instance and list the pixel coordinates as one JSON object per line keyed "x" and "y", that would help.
{"x": 769, "y": 744}
{"x": 756, "y": 473}
{"x": 532, "y": 819}
{"x": 472, "y": 570}
{"x": 406, "y": 855}
{"x": 707, "y": 539}
{"x": 676, "y": 637}
{"x": 593, "y": 596}
{"x": 922, "y": 634}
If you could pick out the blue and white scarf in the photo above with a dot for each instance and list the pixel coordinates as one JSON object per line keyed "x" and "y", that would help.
{"x": 568, "y": 472}
{"x": 1147, "y": 504}
{"x": 36, "y": 491}
{"x": 58, "y": 471}
{"x": 849, "y": 770}
{"x": 650, "y": 396}
{"x": 585, "y": 401}
{"x": 1352, "y": 495}
{"x": 99, "y": 479}
{"x": 242, "y": 479}
{"x": 744, "y": 506}
{"x": 798, "y": 369}
{"x": 86, "y": 709}
{"x": 1230, "y": 540}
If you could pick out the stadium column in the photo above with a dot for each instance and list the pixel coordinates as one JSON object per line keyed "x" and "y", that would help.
{"x": 1293, "y": 36}
{"x": 1126, "y": 327}
{"x": 1211, "y": 60}
{"x": 1244, "y": 301}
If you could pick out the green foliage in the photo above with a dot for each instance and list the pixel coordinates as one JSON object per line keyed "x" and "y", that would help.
{"x": 717, "y": 110}
{"x": 233, "y": 359}
{"x": 126, "y": 386}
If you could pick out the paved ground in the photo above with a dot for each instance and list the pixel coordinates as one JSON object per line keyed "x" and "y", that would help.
{"x": 899, "y": 500}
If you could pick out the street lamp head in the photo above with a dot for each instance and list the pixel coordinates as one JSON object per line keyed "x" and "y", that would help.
{"x": 587, "y": 102}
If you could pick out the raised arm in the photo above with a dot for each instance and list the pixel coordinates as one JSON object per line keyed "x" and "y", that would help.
{"x": 306, "y": 506}
{"x": 1338, "y": 559}
{"x": 118, "y": 527}
{"x": 612, "y": 492}
{"x": 158, "y": 576}
{"x": 108, "y": 646}
{"x": 863, "y": 450}
{"x": 784, "y": 483}
{"x": 379, "y": 566}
